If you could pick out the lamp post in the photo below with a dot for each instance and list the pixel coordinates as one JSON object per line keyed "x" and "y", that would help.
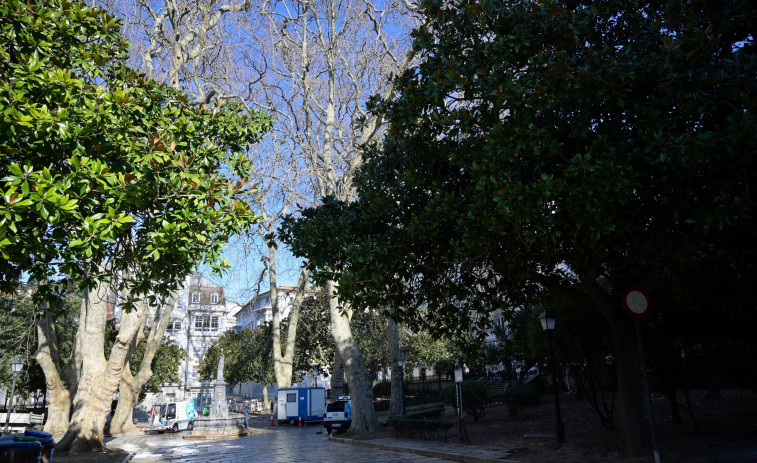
{"x": 401, "y": 364}
{"x": 548, "y": 324}
{"x": 315, "y": 377}
{"x": 188, "y": 317}
{"x": 459, "y": 390}
{"x": 423, "y": 380}
{"x": 16, "y": 367}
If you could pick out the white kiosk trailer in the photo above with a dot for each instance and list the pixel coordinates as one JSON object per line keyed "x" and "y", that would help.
{"x": 300, "y": 405}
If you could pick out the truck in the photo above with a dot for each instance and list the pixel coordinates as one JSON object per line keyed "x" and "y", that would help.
{"x": 175, "y": 416}
{"x": 300, "y": 404}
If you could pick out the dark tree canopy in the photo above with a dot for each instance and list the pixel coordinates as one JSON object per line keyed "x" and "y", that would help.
{"x": 542, "y": 145}
{"x": 571, "y": 149}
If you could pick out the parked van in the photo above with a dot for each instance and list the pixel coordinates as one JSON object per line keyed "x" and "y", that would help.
{"x": 172, "y": 416}
{"x": 338, "y": 416}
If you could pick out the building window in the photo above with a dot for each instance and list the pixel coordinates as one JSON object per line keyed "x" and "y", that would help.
{"x": 174, "y": 326}
{"x": 195, "y": 298}
{"x": 214, "y": 298}
{"x": 206, "y": 323}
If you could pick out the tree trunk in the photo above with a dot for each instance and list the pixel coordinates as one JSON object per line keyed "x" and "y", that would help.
{"x": 361, "y": 393}
{"x": 58, "y": 398}
{"x": 99, "y": 378}
{"x": 266, "y": 405}
{"x": 122, "y": 421}
{"x": 395, "y": 406}
{"x": 337, "y": 376}
{"x": 633, "y": 422}
{"x": 282, "y": 370}
{"x": 131, "y": 385}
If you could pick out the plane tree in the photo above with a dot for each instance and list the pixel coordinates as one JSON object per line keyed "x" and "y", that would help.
{"x": 569, "y": 150}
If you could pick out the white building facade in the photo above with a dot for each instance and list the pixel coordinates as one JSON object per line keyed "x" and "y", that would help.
{"x": 202, "y": 314}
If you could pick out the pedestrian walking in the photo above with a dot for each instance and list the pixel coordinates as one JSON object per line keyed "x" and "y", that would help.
{"x": 246, "y": 411}
{"x": 272, "y": 407}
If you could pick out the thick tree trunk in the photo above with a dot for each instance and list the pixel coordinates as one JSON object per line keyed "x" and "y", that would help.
{"x": 131, "y": 385}
{"x": 57, "y": 396}
{"x": 633, "y": 422}
{"x": 337, "y": 376}
{"x": 122, "y": 421}
{"x": 395, "y": 406}
{"x": 363, "y": 413}
{"x": 99, "y": 379}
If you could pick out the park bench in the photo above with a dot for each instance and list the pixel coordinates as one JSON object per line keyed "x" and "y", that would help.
{"x": 21, "y": 421}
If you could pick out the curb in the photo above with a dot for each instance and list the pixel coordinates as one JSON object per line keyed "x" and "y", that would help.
{"x": 424, "y": 452}
{"x": 128, "y": 457}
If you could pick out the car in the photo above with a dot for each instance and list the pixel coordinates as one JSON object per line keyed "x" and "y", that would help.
{"x": 338, "y": 416}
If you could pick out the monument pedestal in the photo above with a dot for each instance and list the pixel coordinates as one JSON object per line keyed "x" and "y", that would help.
{"x": 219, "y": 424}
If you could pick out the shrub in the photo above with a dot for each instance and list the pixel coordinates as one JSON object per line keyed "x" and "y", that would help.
{"x": 475, "y": 398}
{"x": 420, "y": 429}
{"x": 431, "y": 412}
{"x": 382, "y": 389}
{"x": 521, "y": 395}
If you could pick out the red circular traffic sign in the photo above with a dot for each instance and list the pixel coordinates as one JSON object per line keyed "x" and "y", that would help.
{"x": 636, "y": 302}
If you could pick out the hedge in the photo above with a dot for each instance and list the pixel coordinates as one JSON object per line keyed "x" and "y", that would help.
{"x": 420, "y": 429}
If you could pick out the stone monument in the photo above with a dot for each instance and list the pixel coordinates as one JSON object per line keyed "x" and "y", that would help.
{"x": 219, "y": 424}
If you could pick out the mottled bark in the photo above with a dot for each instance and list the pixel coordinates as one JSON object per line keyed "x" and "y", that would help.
{"x": 337, "y": 376}
{"x": 99, "y": 379}
{"x": 131, "y": 385}
{"x": 58, "y": 397}
{"x": 395, "y": 406}
{"x": 361, "y": 392}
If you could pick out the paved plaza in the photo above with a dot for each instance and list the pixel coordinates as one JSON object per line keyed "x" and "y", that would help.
{"x": 292, "y": 444}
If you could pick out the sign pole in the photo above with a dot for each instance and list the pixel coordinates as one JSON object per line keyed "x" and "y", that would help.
{"x": 636, "y": 303}
{"x": 652, "y": 428}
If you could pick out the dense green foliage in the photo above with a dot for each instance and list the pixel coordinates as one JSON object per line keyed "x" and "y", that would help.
{"x": 165, "y": 365}
{"x": 475, "y": 397}
{"x": 247, "y": 354}
{"x": 563, "y": 146}
{"x": 18, "y": 337}
{"x": 382, "y": 389}
{"x": 518, "y": 396}
{"x": 548, "y": 150}
{"x": 100, "y": 165}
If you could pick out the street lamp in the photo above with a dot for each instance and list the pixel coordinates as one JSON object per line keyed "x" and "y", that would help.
{"x": 188, "y": 317}
{"x": 423, "y": 380}
{"x": 315, "y": 372}
{"x": 16, "y": 367}
{"x": 548, "y": 324}
{"x": 401, "y": 364}
{"x": 459, "y": 390}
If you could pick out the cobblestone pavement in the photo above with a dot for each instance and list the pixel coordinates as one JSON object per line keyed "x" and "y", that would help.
{"x": 290, "y": 444}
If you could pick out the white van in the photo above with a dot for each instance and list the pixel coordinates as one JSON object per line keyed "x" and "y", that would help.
{"x": 172, "y": 416}
{"x": 338, "y": 416}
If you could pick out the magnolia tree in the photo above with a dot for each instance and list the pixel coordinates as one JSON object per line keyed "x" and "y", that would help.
{"x": 112, "y": 180}
{"x": 541, "y": 148}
